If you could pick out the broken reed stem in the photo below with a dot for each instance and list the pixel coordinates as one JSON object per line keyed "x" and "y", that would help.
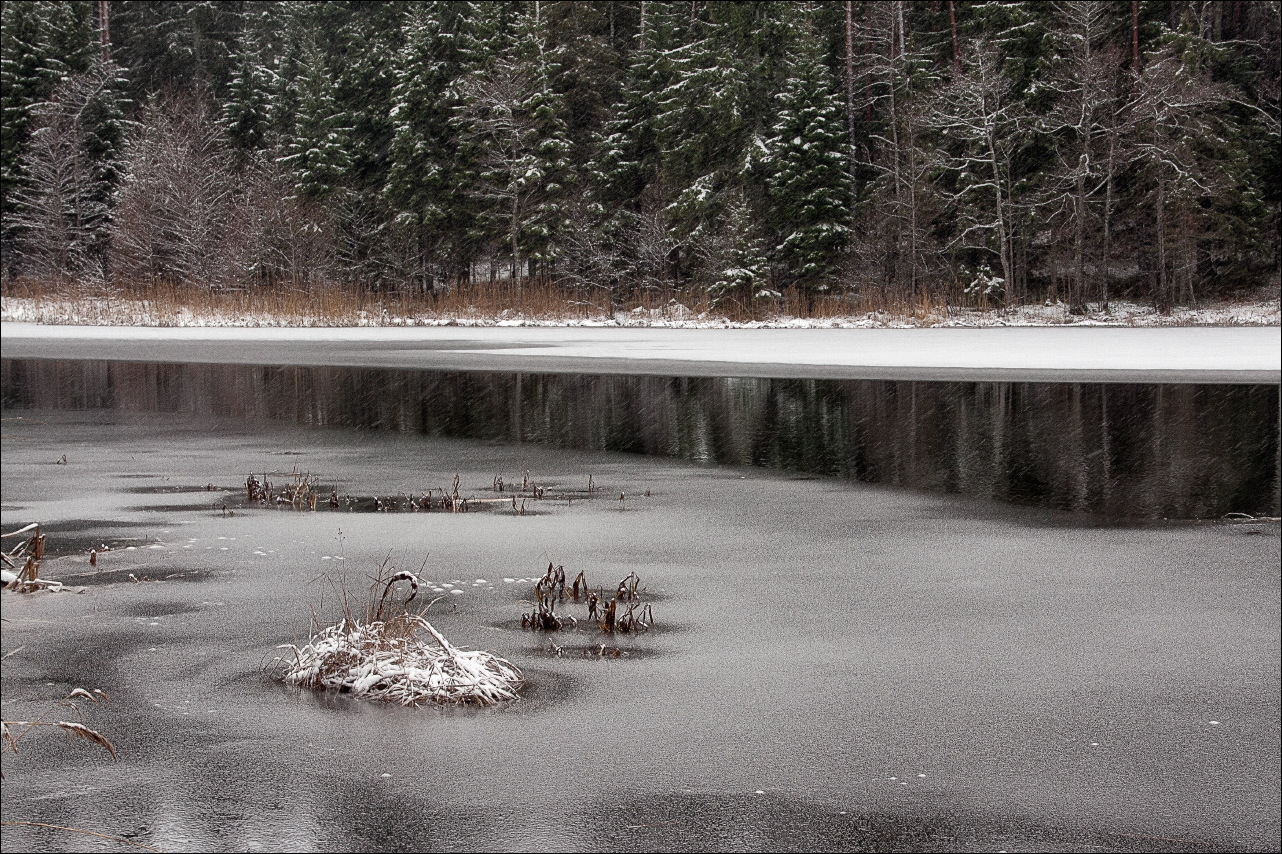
{"x": 623, "y": 613}
{"x": 27, "y": 579}
{"x": 73, "y": 729}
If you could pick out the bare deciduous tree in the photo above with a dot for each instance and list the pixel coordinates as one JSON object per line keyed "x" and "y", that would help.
{"x": 175, "y": 199}
{"x": 63, "y": 207}
{"x": 1084, "y": 125}
{"x": 982, "y": 123}
{"x": 1176, "y": 124}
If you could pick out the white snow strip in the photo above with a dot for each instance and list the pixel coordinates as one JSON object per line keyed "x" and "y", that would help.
{"x": 1136, "y": 354}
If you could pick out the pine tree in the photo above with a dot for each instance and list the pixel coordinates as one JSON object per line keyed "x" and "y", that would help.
{"x": 316, "y": 151}
{"x": 509, "y": 116}
{"x": 809, "y": 185}
{"x": 425, "y": 189}
{"x": 246, "y": 117}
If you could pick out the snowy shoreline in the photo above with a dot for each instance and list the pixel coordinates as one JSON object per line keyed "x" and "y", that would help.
{"x": 1259, "y": 312}
{"x": 1015, "y": 354}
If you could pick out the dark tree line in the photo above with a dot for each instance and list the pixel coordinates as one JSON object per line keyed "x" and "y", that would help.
{"x": 1008, "y": 149}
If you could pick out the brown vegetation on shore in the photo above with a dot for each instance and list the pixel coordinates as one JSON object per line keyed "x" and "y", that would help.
{"x": 544, "y": 302}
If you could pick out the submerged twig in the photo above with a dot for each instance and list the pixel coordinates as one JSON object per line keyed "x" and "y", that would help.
{"x": 66, "y": 829}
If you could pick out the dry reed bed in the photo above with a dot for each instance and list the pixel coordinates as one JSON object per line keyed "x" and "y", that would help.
{"x": 302, "y": 491}
{"x": 543, "y": 302}
{"x": 624, "y": 612}
{"x": 480, "y": 303}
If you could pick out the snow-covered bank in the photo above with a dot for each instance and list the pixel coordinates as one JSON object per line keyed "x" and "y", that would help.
{"x": 1086, "y": 354}
{"x": 1259, "y": 312}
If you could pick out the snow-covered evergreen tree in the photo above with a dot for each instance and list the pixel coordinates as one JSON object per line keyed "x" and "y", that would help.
{"x": 316, "y": 152}
{"x": 425, "y": 191}
{"x": 744, "y": 269}
{"x": 509, "y": 116}
{"x": 705, "y": 127}
{"x": 246, "y": 113}
{"x": 809, "y": 183}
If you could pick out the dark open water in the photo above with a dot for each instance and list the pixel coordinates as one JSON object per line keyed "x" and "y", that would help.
{"x": 1121, "y": 450}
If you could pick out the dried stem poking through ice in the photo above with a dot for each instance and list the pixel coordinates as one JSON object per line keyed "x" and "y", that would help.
{"x": 27, "y": 579}
{"x": 624, "y": 612}
{"x": 398, "y": 656}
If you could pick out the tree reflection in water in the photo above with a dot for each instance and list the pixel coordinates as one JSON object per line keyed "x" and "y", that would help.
{"x": 1123, "y": 450}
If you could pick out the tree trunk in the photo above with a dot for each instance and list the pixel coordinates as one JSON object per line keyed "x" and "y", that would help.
{"x": 1003, "y": 241}
{"x": 897, "y": 258}
{"x": 1076, "y": 300}
{"x": 850, "y": 85}
{"x": 867, "y": 63}
{"x": 516, "y": 255}
{"x": 1190, "y": 255}
{"x": 105, "y": 30}
{"x": 1108, "y": 213}
{"x": 1163, "y": 296}
{"x": 1135, "y": 36}
{"x": 952, "y": 21}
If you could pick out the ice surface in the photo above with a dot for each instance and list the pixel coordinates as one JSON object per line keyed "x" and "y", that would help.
{"x": 820, "y": 642}
{"x": 1102, "y": 354}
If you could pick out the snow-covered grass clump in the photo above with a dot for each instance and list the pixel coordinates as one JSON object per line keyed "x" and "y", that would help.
{"x": 401, "y": 659}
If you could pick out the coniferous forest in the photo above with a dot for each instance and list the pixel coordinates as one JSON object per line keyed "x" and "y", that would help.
{"x": 1002, "y": 152}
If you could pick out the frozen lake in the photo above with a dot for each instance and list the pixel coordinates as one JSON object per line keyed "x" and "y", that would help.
{"x": 861, "y": 643}
{"x": 835, "y": 665}
{"x": 1041, "y": 354}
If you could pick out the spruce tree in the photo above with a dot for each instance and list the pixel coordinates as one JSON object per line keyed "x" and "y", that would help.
{"x": 809, "y": 184}
{"x": 425, "y": 190}
{"x": 246, "y": 112}
{"x": 744, "y": 272}
{"x": 316, "y": 152}
{"x": 515, "y": 139}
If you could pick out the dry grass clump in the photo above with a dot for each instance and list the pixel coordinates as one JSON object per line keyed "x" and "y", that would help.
{"x": 396, "y": 655}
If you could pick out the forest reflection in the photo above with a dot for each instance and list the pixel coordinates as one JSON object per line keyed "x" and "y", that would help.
{"x": 1122, "y": 450}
